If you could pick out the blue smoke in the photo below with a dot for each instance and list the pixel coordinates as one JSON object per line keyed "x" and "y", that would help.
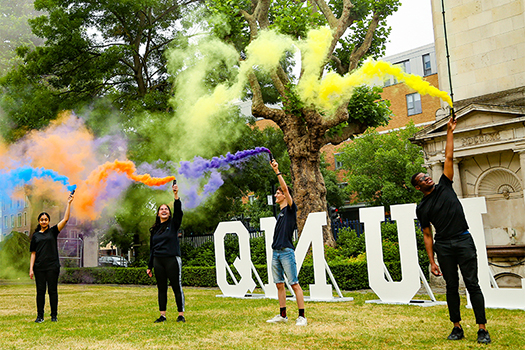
{"x": 11, "y": 179}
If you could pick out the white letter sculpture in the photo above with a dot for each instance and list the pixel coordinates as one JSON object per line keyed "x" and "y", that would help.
{"x": 312, "y": 234}
{"x": 389, "y": 291}
{"x": 508, "y": 298}
{"x": 243, "y": 265}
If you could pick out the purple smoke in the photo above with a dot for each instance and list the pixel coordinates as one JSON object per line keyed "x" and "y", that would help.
{"x": 194, "y": 172}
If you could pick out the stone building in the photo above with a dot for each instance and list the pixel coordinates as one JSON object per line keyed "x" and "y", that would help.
{"x": 486, "y": 43}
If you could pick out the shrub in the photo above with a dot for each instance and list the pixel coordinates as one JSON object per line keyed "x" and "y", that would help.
{"x": 14, "y": 255}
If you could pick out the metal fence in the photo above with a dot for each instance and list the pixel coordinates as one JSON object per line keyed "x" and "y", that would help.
{"x": 337, "y": 225}
{"x": 70, "y": 251}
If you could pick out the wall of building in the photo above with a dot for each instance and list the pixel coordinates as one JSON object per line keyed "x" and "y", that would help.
{"x": 486, "y": 40}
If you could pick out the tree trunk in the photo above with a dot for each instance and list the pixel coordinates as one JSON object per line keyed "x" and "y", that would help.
{"x": 309, "y": 191}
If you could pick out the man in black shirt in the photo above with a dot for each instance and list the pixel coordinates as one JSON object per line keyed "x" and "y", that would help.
{"x": 283, "y": 260}
{"x": 452, "y": 243}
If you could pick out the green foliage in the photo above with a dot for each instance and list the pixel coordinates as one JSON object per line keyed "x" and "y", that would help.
{"x": 92, "y": 50}
{"x": 366, "y": 106}
{"x": 380, "y": 167}
{"x": 356, "y": 36}
{"x": 15, "y": 31}
{"x": 14, "y": 256}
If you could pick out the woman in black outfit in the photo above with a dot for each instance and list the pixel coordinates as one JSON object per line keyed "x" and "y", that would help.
{"x": 45, "y": 264}
{"x": 165, "y": 255}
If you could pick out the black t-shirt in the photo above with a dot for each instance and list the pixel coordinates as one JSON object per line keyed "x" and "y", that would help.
{"x": 165, "y": 242}
{"x": 45, "y": 246}
{"x": 443, "y": 209}
{"x": 284, "y": 228}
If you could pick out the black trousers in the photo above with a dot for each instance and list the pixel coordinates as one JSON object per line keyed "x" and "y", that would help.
{"x": 461, "y": 252}
{"x": 169, "y": 268}
{"x": 49, "y": 279}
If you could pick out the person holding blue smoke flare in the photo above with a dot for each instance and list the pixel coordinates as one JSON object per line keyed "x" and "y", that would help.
{"x": 165, "y": 255}
{"x": 45, "y": 263}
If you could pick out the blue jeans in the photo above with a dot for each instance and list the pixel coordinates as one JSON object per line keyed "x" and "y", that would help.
{"x": 283, "y": 262}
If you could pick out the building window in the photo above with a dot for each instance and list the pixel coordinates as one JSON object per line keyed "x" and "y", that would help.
{"x": 427, "y": 68}
{"x": 338, "y": 163}
{"x": 6, "y": 222}
{"x": 25, "y": 218}
{"x": 12, "y": 221}
{"x": 19, "y": 220}
{"x": 405, "y": 65}
{"x": 414, "y": 104}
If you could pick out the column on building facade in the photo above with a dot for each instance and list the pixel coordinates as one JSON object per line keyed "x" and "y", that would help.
{"x": 437, "y": 170}
{"x": 457, "y": 179}
{"x": 521, "y": 153}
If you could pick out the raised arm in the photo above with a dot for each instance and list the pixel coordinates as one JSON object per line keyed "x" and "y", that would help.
{"x": 282, "y": 183}
{"x": 64, "y": 221}
{"x": 448, "y": 169}
{"x": 176, "y": 220}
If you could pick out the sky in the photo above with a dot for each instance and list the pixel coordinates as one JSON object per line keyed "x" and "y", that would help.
{"x": 411, "y": 27}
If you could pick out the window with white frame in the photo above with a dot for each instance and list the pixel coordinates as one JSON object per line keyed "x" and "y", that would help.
{"x": 338, "y": 163}
{"x": 20, "y": 220}
{"x": 414, "y": 104}
{"x": 405, "y": 65}
{"x": 427, "y": 66}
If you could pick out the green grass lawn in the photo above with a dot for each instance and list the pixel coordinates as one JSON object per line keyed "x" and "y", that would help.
{"x": 121, "y": 317}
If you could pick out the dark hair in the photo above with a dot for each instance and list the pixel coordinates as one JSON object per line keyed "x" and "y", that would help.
{"x": 281, "y": 189}
{"x": 413, "y": 179}
{"x": 38, "y": 228}
{"x": 153, "y": 229}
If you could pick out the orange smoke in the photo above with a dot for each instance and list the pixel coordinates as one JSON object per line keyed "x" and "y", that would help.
{"x": 97, "y": 181}
{"x": 127, "y": 167}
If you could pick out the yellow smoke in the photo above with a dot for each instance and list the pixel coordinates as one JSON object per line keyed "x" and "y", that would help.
{"x": 330, "y": 90}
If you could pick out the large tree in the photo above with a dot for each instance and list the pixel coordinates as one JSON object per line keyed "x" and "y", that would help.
{"x": 15, "y": 30}
{"x": 359, "y": 31}
{"x": 93, "y": 49}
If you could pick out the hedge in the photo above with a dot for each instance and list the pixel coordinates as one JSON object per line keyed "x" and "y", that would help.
{"x": 349, "y": 276}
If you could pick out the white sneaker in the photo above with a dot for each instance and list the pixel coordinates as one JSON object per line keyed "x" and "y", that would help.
{"x": 301, "y": 321}
{"x": 278, "y": 319}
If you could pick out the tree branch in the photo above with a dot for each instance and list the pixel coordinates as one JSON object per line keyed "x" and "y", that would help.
{"x": 356, "y": 55}
{"x": 259, "y": 109}
{"x": 352, "y": 129}
{"x": 328, "y": 14}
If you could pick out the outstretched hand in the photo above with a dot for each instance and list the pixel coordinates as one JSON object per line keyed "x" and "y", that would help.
{"x": 175, "y": 189}
{"x": 452, "y": 122}
{"x": 275, "y": 166}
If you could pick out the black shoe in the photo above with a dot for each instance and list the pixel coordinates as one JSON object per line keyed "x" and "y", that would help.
{"x": 160, "y": 319}
{"x": 456, "y": 334}
{"x": 483, "y": 336}
{"x": 54, "y": 319}
{"x": 181, "y": 319}
{"x": 39, "y": 319}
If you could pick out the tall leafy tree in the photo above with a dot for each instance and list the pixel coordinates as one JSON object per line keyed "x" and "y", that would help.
{"x": 94, "y": 49}
{"x": 359, "y": 31}
{"x": 380, "y": 167}
{"x": 15, "y": 30}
